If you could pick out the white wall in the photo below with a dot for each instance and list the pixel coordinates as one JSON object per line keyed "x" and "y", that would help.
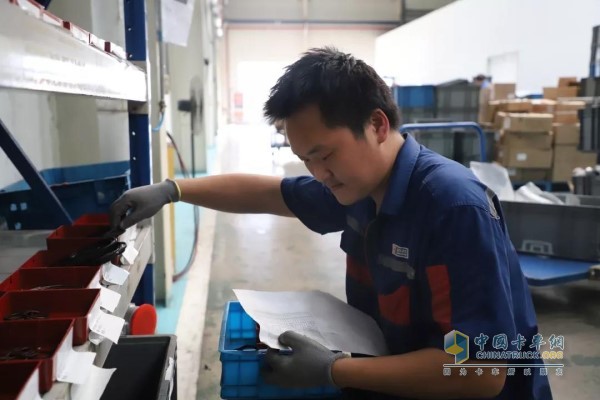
{"x": 285, "y": 44}
{"x": 552, "y": 39}
{"x": 29, "y": 117}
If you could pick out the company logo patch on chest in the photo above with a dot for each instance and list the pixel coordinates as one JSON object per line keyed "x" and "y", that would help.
{"x": 401, "y": 252}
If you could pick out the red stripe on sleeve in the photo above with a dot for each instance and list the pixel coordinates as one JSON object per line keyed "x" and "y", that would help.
{"x": 441, "y": 305}
{"x": 395, "y": 307}
{"x": 358, "y": 271}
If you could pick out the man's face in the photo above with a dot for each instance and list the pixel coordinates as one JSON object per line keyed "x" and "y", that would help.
{"x": 351, "y": 167}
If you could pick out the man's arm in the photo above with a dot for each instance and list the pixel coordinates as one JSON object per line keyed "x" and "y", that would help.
{"x": 418, "y": 374}
{"x": 236, "y": 193}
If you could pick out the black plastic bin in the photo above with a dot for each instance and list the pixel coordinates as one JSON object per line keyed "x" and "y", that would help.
{"x": 146, "y": 368}
{"x": 563, "y": 231}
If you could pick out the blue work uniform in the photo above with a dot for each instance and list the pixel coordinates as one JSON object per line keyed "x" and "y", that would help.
{"x": 436, "y": 258}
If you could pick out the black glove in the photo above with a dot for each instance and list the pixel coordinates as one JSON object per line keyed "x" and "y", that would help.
{"x": 142, "y": 202}
{"x": 308, "y": 366}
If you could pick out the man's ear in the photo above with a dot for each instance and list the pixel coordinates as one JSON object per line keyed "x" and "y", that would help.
{"x": 381, "y": 125}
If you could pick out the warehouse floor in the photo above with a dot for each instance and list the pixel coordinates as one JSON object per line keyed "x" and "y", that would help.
{"x": 273, "y": 253}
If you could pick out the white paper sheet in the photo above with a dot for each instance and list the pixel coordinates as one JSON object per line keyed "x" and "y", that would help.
{"x": 318, "y": 315}
{"x": 113, "y": 274}
{"x": 109, "y": 299}
{"x": 177, "y": 18}
{"x": 108, "y": 326}
{"x": 94, "y": 386}
{"x": 77, "y": 367}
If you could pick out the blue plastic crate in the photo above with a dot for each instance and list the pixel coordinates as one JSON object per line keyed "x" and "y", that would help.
{"x": 240, "y": 373}
{"x": 415, "y": 96}
{"x": 81, "y": 190}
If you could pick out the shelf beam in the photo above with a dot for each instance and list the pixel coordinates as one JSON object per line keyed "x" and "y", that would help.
{"x": 36, "y": 55}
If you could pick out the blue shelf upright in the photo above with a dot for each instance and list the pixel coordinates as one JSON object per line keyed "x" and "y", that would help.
{"x": 140, "y": 139}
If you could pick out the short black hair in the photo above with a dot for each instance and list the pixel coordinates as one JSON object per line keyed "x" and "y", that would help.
{"x": 346, "y": 90}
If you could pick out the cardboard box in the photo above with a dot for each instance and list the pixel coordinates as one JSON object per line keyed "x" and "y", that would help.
{"x": 566, "y": 134}
{"x": 570, "y": 91}
{"x": 527, "y": 174}
{"x": 543, "y": 106}
{"x": 514, "y": 157}
{"x": 528, "y": 122}
{"x": 499, "y": 120}
{"x": 550, "y": 93}
{"x": 569, "y": 105}
{"x": 566, "y": 117}
{"x": 564, "y": 154}
{"x": 503, "y": 91}
{"x": 567, "y": 81}
{"x": 485, "y": 109}
{"x": 566, "y": 159}
{"x": 528, "y": 140}
{"x": 519, "y": 106}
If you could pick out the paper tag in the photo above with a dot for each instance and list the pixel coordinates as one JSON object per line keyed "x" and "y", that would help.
{"x": 77, "y": 367}
{"x": 521, "y": 156}
{"x": 113, "y": 274}
{"x": 108, "y": 326}
{"x": 95, "y": 338}
{"x": 130, "y": 254}
{"x": 109, "y": 299}
{"x": 94, "y": 386}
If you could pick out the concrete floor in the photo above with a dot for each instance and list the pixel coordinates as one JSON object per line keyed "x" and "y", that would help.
{"x": 273, "y": 253}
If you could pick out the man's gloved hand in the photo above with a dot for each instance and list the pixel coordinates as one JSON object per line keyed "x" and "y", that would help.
{"x": 142, "y": 202}
{"x": 308, "y": 366}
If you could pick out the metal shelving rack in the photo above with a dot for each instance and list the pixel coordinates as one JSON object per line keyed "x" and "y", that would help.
{"x": 38, "y": 56}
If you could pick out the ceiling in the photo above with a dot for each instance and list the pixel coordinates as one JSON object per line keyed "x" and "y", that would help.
{"x": 386, "y": 12}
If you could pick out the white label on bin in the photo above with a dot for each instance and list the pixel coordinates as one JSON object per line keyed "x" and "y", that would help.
{"x": 130, "y": 254}
{"x": 109, "y": 299}
{"x": 77, "y": 367}
{"x": 108, "y": 326}
{"x": 521, "y": 156}
{"x": 94, "y": 386}
{"x": 113, "y": 274}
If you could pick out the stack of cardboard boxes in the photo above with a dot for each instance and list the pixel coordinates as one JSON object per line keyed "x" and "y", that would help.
{"x": 538, "y": 139}
{"x": 525, "y": 146}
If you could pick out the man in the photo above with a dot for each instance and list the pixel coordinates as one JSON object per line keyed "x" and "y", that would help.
{"x": 427, "y": 248}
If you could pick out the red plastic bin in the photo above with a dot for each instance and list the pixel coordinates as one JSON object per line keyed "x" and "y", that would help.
{"x": 45, "y": 259}
{"x": 53, "y": 278}
{"x": 75, "y": 304}
{"x": 19, "y": 380}
{"x": 75, "y": 237}
{"x": 51, "y": 338}
{"x": 54, "y": 259}
{"x": 92, "y": 219}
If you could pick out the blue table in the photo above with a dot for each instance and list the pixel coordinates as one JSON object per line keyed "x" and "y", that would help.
{"x": 546, "y": 271}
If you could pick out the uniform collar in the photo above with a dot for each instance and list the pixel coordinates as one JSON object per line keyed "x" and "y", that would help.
{"x": 400, "y": 177}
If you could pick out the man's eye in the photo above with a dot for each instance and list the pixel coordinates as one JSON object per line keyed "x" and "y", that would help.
{"x": 327, "y": 156}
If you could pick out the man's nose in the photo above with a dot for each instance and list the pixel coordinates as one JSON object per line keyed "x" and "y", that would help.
{"x": 321, "y": 173}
